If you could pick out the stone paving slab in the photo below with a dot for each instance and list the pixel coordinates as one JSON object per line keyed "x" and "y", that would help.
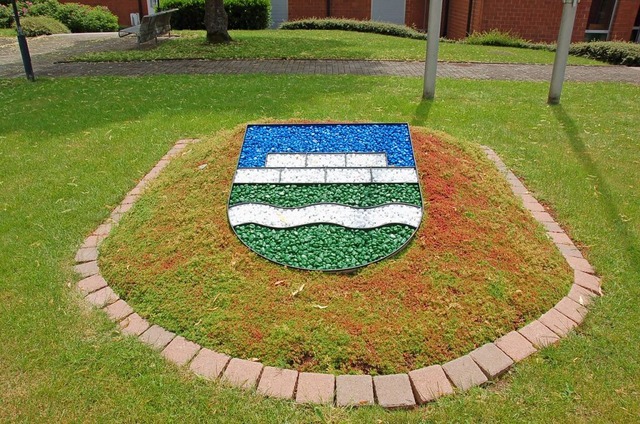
{"x": 394, "y": 391}
{"x": 354, "y": 390}
{"x": 242, "y": 373}
{"x": 157, "y": 337}
{"x": 101, "y": 298}
{"x": 538, "y": 334}
{"x": 581, "y": 295}
{"x": 588, "y": 281}
{"x": 91, "y": 284}
{"x": 557, "y": 322}
{"x": 134, "y": 325}
{"x": 209, "y": 364}
{"x": 119, "y": 310}
{"x": 278, "y": 382}
{"x": 464, "y": 373}
{"x": 180, "y": 350}
{"x": 430, "y": 383}
{"x": 87, "y": 269}
{"x": 571, "y": 309}
{"x": 491, "y": 360}
{"x": 315, "y": 388}
{"x": 515, "y": 345}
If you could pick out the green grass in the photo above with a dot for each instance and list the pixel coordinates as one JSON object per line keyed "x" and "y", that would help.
{"x": 302, "y": 44}
{"x": 71, "y": 148}
{"x": 7, "y": 32}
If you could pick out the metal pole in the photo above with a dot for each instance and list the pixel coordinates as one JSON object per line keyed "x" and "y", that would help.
{"x": 562, "y": 50}
{"x": 22, "y": 42}
{"x": 433, "y": 39}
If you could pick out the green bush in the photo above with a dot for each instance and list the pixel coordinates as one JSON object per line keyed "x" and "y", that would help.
{"x": 190, "y": 13}
{"x": 6, "y": 16}
{"x": 248, "y": 14}
{"x": 34, "y": 26}
{"x": 615, "y": 52}
{"x": 496, "y": 38}
{"x": 357, "y": 26}
{"x": 77, "y": 17}
{"x": 46, "y": 8}
{"x": 242, "y": 14}
{"x": 82, "y": 18}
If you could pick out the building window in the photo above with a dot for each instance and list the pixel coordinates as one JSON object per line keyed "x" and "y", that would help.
{"x": 600, "y": 17}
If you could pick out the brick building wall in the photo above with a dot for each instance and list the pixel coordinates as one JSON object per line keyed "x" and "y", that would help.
{"x": 537, "y": 20}
{"x": 300, "y": 9}
{"x": 352, "y": 9}
{"x": 624, "y": 19}
{"x": 120, "y": 8}
{"x": 415, "y": 13}
{"x": 458, "y": 16}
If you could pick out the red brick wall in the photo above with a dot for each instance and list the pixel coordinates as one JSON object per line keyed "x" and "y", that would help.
{"x": 537, "y": 20}
{"x": 120, "y": 8}
{"x": 300, "y": 9}
{"x": 624, "y": 19}
{"x": 415, "y": 13}
{"x": 351, "y": 9}
{"x": 458, "y": 15}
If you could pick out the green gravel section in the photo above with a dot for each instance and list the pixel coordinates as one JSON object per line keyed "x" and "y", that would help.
{"x": 298, "y": 195}
{"x": 324, "y": 246}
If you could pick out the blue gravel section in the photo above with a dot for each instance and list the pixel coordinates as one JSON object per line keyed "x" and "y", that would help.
{"x": 392, "y": 139}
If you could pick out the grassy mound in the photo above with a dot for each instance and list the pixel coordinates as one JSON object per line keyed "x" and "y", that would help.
{"x": 478, "y": 268}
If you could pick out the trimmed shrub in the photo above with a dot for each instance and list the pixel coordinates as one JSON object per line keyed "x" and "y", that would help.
{"x": 357, "y": 26}
{"x": 248, "y": 14}
{"x": 6, "y": 16}
{"x": 615, "y": 52}
{"x": 82, "y": 18}
{"x": 45, "y": 8}
{"x": 190, "y": 13}
{"x": 77, "y": 17}
{"x": 242, "y": 14}
{"x": 34, "y": 26}
{"x": 496, "y": 38}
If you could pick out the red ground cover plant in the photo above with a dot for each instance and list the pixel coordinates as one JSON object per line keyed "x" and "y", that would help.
{"x": 478, "y": 268}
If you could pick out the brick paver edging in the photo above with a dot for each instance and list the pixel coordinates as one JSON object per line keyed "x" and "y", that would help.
{"x": 390, "y": 391}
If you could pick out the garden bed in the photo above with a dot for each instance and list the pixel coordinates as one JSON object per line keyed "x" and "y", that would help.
{"x": 478, "y": 267}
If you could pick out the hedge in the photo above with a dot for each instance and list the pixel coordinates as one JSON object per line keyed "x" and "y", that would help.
{"x": 615, "y": 52}
{"x": 34, "y": 26}
{"x": 357, "y": 26}
{"x": 242, "y": 14}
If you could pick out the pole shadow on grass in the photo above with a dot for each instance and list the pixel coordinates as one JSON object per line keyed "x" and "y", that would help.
{"x": 628, "y": 241}
{"x": 421, "y": 114}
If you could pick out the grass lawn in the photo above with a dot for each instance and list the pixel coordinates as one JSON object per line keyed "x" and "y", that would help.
{"x": 7, "y": 32}
{"x": 478, "y": 267}
{"x": 302, "y": 44}
{"x": 71, "y": 148}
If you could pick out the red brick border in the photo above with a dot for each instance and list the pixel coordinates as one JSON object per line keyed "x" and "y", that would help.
{"x": 399, "y": 390}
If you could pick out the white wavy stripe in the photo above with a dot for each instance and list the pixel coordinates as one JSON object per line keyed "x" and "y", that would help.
{"x": 346, "y": 216}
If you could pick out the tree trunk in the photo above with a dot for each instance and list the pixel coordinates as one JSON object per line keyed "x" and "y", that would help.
{"x": 216, "y": 22}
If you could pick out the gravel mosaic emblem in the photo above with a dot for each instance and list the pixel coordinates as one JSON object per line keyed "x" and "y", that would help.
{"x": 326, "y": 196}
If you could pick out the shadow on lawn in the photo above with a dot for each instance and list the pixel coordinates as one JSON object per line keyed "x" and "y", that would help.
{"x": 421, "y": 114}
{"x": 628, "y": 241}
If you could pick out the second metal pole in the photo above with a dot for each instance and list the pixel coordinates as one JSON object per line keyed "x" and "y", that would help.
{"x": 562, "y": 50}
{"x": 433, "y": 39}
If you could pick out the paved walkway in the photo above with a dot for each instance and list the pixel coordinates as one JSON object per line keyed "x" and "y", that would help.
{"x": 49, "y": 54}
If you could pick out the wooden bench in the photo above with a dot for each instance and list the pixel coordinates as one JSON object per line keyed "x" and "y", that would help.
{"x": 151, "y": 27}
